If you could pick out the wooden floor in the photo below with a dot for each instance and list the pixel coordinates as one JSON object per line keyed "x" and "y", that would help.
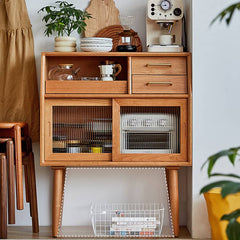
{"x": 45, "y": 233}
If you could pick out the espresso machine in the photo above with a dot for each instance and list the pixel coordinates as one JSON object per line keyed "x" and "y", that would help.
{"x": 164, "y": 25}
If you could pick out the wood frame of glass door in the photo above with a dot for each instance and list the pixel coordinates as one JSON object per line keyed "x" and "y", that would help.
{"x": 66, "y": 159}
{"x": 146, "y": 157}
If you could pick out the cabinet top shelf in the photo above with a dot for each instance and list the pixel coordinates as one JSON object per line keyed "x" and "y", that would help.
{"x": 113, "y": 54}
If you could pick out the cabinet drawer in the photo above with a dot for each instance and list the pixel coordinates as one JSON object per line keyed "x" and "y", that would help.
{"x": 159, "y": 84}
{"x": 159, "y": 65}
{"x": 54, "y": 86}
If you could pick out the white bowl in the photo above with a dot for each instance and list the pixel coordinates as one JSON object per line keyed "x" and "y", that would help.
{"x": 96, "y": 49}
{"x": 65, "y": 49}
{"x": 65, "y": 44}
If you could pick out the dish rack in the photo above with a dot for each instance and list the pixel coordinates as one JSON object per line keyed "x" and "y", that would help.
{"x": 127, "y": 219}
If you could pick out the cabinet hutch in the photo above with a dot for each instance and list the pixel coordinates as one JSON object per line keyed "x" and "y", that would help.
{"x": 143, "y": 118}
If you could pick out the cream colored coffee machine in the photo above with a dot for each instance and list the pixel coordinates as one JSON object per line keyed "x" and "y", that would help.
{"x": 164, "y": 25}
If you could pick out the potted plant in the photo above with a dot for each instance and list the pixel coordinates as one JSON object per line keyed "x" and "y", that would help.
{"x": 63, "y": 18}
{"x": 222, "y": 204}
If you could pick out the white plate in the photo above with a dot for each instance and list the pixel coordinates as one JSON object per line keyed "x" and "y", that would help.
{"x": 96, "y": 45}
{"x": 96, "y": 38}
{"x": 96, "y": 42}
{"x": 96, "y": 49}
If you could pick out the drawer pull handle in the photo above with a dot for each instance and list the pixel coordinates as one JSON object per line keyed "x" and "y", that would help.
{"x": 159, "y": 65}
{"x": 161, "y": 83}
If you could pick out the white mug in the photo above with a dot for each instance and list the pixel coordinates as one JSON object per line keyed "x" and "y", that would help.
{"x": 165, "y": 40}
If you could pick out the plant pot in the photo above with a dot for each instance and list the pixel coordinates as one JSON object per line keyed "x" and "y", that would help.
{"x": 217, "y": 207}
{"x": 65, "y": 44}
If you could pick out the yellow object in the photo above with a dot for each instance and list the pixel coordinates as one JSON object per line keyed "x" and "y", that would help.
{"x": 96, "y": 149}
{"x": 217, "y": 207}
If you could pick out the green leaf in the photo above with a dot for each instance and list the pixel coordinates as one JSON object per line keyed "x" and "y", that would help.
{"x": 233, "y": 215}
{"x": 213, "y": 185}
{"x": 224, "y": 175}
{"x": 233, "y": 230}
{"x": 230, "y": 188}
{"x": 227, "y": 13}
{"x": 230, "y": 153}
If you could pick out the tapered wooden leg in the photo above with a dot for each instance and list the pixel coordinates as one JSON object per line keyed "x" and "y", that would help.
{"x": 11, "y": 187}
{"x": 19, "y": 171}
{"x": 3, "y": 197}
{"x": 172, "y": 179}
{"x": 26, "y": 183}
{"x": 58, "y": 183}
{"x": 33, "y": 193}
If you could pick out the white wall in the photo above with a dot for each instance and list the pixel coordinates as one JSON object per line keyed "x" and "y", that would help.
{"x": 216, "y": 85}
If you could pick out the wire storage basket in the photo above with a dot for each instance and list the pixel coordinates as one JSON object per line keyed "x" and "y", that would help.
{"x": 127, "y": 219}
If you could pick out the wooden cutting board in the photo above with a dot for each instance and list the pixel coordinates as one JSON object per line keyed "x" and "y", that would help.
{"x": 104, "y": 13}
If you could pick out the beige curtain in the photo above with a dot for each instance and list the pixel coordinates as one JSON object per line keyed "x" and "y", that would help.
{"x": 19, "y": 100}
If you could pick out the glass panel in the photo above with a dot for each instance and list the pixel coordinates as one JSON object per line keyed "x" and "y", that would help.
{"x": 82, "y": 129}
{"x": 150, "y": 129}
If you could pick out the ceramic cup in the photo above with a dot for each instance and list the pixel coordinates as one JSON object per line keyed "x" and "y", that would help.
{"x": 165, "y": 40}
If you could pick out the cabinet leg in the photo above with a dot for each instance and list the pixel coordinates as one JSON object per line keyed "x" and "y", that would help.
{"x": 58, "y": 183}
{"x": 172, "y": 179}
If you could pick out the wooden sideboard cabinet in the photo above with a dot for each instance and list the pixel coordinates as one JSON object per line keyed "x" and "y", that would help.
{"x": 141, "y": 119}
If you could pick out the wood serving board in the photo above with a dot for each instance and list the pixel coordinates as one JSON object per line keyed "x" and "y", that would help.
{"x": 112, "y": 32}
{"x": 104, "y": 13}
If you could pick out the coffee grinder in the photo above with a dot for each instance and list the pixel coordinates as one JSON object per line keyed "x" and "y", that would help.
{"x": 164, "y": 25}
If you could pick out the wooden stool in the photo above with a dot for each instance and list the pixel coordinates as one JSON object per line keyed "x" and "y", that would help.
{"x": 30, "y": 183}
{"x": 16, "y": 131}
{"x": 3, "y": 197}
{"x": 9, "y": 151}
{"x": 23, "y": 156}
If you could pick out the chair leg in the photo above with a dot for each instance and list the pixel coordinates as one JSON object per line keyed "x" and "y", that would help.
{"x": 33, "y": 193}
{"x": 11, "y": 191}
{"x": 26, "y": 183}
{"x": 3, "y": 197}
{"x": 19, "y": 171}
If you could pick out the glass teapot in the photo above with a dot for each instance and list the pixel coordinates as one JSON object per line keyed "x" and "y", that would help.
{"x": 63, "y": 72}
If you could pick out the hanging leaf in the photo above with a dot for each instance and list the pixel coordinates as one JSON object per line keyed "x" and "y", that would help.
{"x": 231, "y": 153}
{"x": 227, "y": 13}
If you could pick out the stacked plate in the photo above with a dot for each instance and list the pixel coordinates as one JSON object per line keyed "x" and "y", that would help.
{"x": 96, "y": 44}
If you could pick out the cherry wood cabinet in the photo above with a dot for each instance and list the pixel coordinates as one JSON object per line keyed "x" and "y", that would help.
{"x": 81, "y": 120}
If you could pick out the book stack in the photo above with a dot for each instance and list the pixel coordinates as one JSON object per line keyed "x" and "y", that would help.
{"x": 133, "y": 226}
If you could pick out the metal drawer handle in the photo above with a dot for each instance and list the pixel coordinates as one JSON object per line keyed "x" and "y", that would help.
{"x": 162, "y": 83}
{"x": 159, "y": 65}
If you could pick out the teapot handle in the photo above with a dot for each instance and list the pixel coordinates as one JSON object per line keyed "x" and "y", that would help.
{"x": 77, "y": 70}
{"x": 50, "y": 73}
{"x": 119, "y": 67}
